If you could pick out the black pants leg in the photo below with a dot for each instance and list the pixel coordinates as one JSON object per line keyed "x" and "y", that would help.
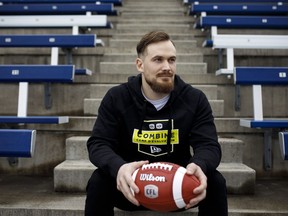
{"x": 216, "y": 200}
{"x": 102, "y": 196}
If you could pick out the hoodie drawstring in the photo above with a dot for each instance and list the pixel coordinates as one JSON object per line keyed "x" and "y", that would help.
{"x": 142, "y": 117}
{"x": 169, "y": 135}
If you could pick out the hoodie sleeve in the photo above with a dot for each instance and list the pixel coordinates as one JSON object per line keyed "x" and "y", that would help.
{"x": 103, "y": 143}
{"x": 203, "y": 137}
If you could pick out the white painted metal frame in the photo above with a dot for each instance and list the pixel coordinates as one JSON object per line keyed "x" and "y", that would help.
{"x": 53, "y": 21}
{"x": 231, "y": 42}
{"x": 73, "y": 21}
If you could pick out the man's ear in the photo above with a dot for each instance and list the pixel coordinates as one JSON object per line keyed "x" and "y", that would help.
{"x": 139, "y": 65}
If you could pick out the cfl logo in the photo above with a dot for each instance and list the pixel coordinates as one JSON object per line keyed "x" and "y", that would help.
{"x": 151, "y": 191}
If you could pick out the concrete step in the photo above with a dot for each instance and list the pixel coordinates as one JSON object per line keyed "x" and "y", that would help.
{"x": 144, "y": 12}
{"x": 26, "y": 196}
{"x": 159, "y": 19}
{"x": 129, "y": 57}
{"x": 99, "y": 90}
{"x": 135, "y": 36}
{"x": 232, "y": 149}
{"x": 91, "y": 106}
{"x": 147, "y": 4}
{"x": 130, "y": 68}
{"x": 132, "y": 50}
{"x": 148, "y": 8}
{"x": 72, "y": 174}
{"x": 180, "y": 44}
{"x": 157, "y": 27}
{"x": 183, "y": 28}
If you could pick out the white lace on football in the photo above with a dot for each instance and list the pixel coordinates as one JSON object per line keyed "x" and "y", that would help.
{"x": 163, "y": 166}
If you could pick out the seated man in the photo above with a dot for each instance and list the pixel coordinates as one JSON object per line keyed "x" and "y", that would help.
{"x": 154, "y": 99}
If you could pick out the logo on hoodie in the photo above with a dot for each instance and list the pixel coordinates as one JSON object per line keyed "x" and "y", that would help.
{"x": 153, "y": 136}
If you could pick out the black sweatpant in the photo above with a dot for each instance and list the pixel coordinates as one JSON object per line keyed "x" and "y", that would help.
{"x": 103, "y": 196}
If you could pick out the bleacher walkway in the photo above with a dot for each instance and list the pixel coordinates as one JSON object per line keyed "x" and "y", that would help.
{"x": 63, "y": 194}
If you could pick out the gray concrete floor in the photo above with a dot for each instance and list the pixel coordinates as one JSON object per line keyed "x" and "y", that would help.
{"x": 24, "y": 192}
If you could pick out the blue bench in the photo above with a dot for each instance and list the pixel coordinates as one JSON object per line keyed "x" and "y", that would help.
{"x": 115, "y": 2}
{"x": 54, "y": 41}
{"x": 238, "y": 9}
{"x": 37, "y": 73}
{"x": 17, "y": 143}
{"x": 59, "y": 8}
{"x": 234, "y": 21}
{"x": 234, "y": 1}
{"x": 283, "y": 140}
{"x": 34, "y": 119}
{"x": 49, "y": 40}
{"x": 258, "y": 76}
{"x": 34, "y": 73}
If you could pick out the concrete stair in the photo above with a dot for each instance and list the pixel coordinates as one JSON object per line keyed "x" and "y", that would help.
{"x": 130, "y": 68}
{"x": 130, "y": 57}
{"x": 119, "y": 58}
{"x": 92, "y": 104}
{"x": 72, "y": 174}
{"x": 25, "y": 196}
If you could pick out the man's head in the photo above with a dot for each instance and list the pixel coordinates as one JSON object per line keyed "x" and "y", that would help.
{"x": 157, "y": 63}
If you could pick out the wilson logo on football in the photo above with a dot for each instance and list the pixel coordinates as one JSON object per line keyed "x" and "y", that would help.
{"x": 151, "y": 177}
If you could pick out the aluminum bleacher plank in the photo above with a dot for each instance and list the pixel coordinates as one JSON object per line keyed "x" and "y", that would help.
{"x": 239, "y": 9}
{"x": 54, "y": 21}
{"x": 234, "y": 21}
{"x": 115, "y": 2}
{"x": 34, "y": 119}
{"x": 59, "y": 8}
{"x": 17, "y": 143}
{"x": 53, "y": 40}
{"x": 37, "y": 73}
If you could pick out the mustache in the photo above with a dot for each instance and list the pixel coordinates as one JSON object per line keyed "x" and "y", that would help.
{"x": 165, "y": 74}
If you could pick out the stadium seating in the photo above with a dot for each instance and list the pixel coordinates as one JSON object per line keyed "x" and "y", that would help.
{"x": 232, "y": 1}
{"x": 258, "y": 76}
{"x": 34, "y": 73}
{"x": 229, "y": 42}
{"x": 115, "y": 2}
{"x": 17, "y": 143}
{"x": 57, "y": 9}
{"x": 49, "y": 40}
{"x": 238, "y": 9}
{"x": 240, "y": 21}
{"x": 55, "y": 21}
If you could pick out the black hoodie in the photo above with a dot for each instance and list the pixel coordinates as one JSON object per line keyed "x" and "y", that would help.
{"x": 129, "y": 128}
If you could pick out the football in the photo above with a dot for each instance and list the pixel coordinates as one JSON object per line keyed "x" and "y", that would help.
{"x": 164, "y": 186}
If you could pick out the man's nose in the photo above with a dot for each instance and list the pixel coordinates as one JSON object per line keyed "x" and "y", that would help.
{"x": 166, "y": 65}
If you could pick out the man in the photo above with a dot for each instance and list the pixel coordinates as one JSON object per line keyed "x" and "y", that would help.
{"x": 129, "y": 129}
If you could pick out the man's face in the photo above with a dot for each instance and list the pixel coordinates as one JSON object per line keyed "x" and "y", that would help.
{"x": 158, "y": 66}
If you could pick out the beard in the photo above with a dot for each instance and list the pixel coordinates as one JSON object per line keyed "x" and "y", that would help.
{"x": 164, "y": 87}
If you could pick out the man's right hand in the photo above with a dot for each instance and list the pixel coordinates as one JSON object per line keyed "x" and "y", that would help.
{"x": 125, "y": 182}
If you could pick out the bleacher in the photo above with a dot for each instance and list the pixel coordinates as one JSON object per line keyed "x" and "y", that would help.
{"x": 50, "y": 16}
{"x": 220, "y": 15}
{"x": 254, "y": 160}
